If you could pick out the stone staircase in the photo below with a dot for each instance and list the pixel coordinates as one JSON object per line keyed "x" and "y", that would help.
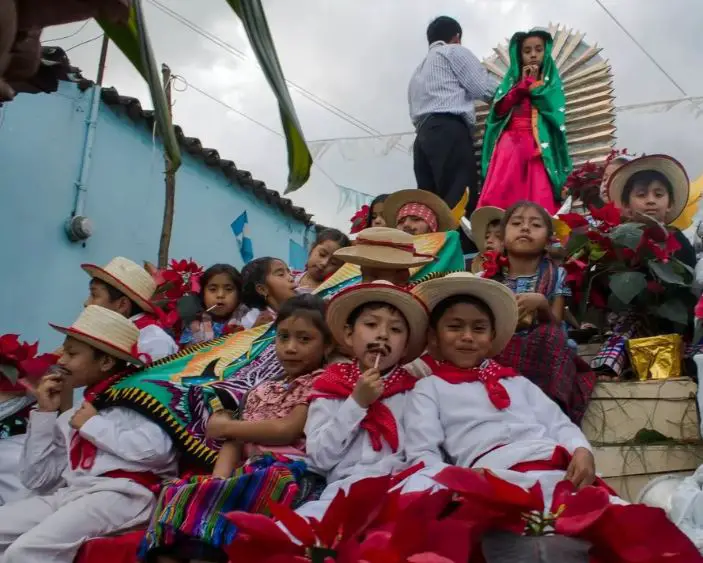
{"x": 619, "y": 411}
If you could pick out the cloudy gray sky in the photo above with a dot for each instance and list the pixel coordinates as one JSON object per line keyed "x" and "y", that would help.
{"x": 358, "y": 56}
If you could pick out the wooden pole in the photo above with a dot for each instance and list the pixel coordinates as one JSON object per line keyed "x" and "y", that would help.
{"x": 170, "y": 180}
{"x": 103, "y": 58}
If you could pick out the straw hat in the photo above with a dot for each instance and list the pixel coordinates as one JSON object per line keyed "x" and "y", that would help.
{"x": 105, "y": 330}
{"x": 480, "y": 219}
{"x": 499, "y": 299}
{"x": 445, "y": 219}
{"x": 383, "y": 247}
{"x": 666, "y": 165}
{"x": 414, "y": 311}
{"x": 128, "y": 277}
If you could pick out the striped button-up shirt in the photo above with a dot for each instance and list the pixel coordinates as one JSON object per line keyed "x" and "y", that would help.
{"x": 448, "y": 81}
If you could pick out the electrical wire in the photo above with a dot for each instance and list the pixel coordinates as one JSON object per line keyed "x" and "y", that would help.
{"x": 54, "y": 39}
{"x": 84, "y": 42}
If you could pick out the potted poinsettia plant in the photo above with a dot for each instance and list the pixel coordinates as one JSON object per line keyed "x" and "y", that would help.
{"x": 627, "y": 266}
{"x": 176, "y": 297}
{"x": 20, "y": 360}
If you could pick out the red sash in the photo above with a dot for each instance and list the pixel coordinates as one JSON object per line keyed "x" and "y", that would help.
{"x": 338, "y": 381}
{"x": 489, "y": 373}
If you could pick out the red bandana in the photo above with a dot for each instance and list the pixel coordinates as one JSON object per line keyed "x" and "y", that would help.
{"x": 421, "y": 212}
{"x": 489, "y": 373}
{"x": 338, "y": 381}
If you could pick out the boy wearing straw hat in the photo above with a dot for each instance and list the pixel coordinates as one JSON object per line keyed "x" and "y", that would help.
{"x": 355, "y": 421}
{"x": 383, "y": 253}
{"x": 481, "y": 415}
{"x": 106, "y": 464}
{"x": 485, "y": 227}
{"x": 127, "y": 288}
{"x": 418, "y": 212}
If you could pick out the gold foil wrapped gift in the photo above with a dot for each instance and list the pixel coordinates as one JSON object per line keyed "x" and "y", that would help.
{"x": 656, "y": 357}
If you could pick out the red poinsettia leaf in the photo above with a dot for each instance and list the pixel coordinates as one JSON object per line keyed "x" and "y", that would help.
{"x": 609, "y": 214}
{"x": 582, "y": 510}
{"x": 294, "y": 523}
{"x": 561, "y": 495}
{"x": 655, "y": 287}
{"x": 464, "y": 481}
{"x": 430, "y": 558}
{"x": 511, "y": 494}
{"x": 672, "y": 244}
{"x": 698, "y": 311}
{"x": 263, "y": 528}
{"x": 9, "y": 343}
{"x": 330, "y": 526}
{"x": 34, "y": 368}
{"x": 29, "y": 350}
{"x": 364, "y": 503}
{"x": 451, "y": 538}
{"x": 574, "y": 220}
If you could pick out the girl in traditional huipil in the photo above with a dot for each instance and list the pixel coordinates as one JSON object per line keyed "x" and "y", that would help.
{"x": 262, "y": 457}
{"x": 525, "y": 153}
{"x": 321, "y": 262}
{"x": 539, "y": 349}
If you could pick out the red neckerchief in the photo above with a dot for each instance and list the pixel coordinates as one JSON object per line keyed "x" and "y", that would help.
{"x": 489, "y": 373}
{"x": 338, "y": 381}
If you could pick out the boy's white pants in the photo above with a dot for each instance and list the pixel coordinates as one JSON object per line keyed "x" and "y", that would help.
{"x": 51, "y": 529}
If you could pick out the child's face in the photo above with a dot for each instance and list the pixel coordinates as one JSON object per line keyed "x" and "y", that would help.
{"x": 533, "y": 51}
{"x": 526, "y": 233}
{"x": 280, "y": 285}
{"x": 300, "y": 346}
{"x": 221, "y": 293}
{"x": 493, "y": 241}
{"x": 652, "y": 200}
{"x": 399, "y": 277}
{"x": 84, "y": 365}
{"x": 413, "y": 225}
{"x": 463, "y": 336}
{"x": 378, "y": 331}
{"x": 321, "y": 262}
{"x": 99, "y": 295}
{"x": 607, "y": 173}
{"x": 377, "y": 219}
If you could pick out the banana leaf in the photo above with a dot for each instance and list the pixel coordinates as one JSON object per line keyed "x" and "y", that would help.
{"x": 132, "y": 39}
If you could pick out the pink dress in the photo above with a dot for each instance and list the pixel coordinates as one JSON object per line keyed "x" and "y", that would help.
{"x": 516, "y": 171}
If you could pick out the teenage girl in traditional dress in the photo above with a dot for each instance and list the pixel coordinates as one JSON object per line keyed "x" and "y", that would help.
{"x": 525, "y": 153}
{"x": 262, "y": 457}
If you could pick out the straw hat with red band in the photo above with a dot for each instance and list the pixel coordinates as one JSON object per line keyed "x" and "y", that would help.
{"x": 127, "y": 277}
{"x": 383, "y": 247}
{"x": 106, "y": 331}
{"x": 480, "y": 219}
{"x": 347, "y": 301}
{"x": 669, "y": 167}
{"x": 396, "y": 201}
{"x": 497, "y": 297}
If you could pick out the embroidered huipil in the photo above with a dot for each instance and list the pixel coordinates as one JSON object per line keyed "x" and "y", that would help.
{"x": 125, "y": 441}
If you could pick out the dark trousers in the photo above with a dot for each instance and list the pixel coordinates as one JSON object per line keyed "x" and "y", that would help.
{"x": 445, "y": 163}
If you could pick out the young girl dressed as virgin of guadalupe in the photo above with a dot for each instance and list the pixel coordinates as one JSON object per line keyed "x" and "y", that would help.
{"x": 525, "y": 154}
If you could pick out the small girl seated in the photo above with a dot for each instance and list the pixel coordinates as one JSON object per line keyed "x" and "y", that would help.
{"x": 262, "y": 456}
{"x": 267, "y": 283}
{"x": 220, "y": 296}
{"x": 485, "y": 227}
{"x": 540, "y": 349}
{"x": 321, "y": 262}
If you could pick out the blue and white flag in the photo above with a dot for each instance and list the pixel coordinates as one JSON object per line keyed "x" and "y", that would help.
{"x": 240, "y": 228}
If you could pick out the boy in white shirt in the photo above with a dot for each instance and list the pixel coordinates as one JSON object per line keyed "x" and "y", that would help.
{"x": 127, "y": 288}
{"x": 355, "y": 421}
{"x": 105, "y": 464}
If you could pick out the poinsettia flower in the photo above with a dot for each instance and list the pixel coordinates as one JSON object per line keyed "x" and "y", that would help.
{"x": 360, "y": 219}
{"x": 698, "y": 311}
{"x": 575, "y": 270}
{"x": 661, "y": 251}
{"x": 574, "y": 220}
{"x": 609, "y": 215}
{"x": 493, "y": 263}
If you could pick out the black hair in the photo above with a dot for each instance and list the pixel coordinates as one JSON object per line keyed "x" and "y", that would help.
{"x": 217, "y": 269}
{"x": 525, "y": 204}
{"x": 378, "y": 199}
{"x": 309, "y": 307}
{"x": 114, "y": 294}
{"x": 253, "y": 275}
{"x": 444, "y": 29}
{"x": 333, "y": 235}
{"x": 372, "y": 306}
{"x": 446, "y": 304}
{"x": 494, "y": 223}
{"x": 646, "y": 178}
{"x": 120, "y": 365}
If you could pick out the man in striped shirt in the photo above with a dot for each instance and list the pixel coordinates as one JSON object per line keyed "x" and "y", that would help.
{"x": 441, "y": 97}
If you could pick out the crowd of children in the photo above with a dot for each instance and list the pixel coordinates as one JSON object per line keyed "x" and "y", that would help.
{"x": 382, "y": 357}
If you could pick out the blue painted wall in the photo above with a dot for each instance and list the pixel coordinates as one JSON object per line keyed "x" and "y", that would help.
{"x": 41, "y": 144}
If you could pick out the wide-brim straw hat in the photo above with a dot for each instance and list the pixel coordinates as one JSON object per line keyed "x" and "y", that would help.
{"x": 127, "y": 277}
{"x": 662, "y": 163}
{"x": 480, "y": 219}
{"x": 383, "y": 247}
{"x": 106, "y": 330}
{"x": 414, "y": 311}
{"x": 445, "y": 219}
{"x": 498, "y": 298}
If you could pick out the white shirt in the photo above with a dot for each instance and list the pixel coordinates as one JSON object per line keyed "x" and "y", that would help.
{"x": 449, "y": 80}
{"x": 125, "y": 441}
{"x": 337, "y": 447}
{"x": 155, "y": 341}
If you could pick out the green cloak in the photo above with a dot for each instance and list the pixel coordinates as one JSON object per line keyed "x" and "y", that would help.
{"x": 549, "y": 101}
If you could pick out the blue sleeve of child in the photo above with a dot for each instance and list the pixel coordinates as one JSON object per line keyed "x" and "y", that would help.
{"x": 561, "y": 289}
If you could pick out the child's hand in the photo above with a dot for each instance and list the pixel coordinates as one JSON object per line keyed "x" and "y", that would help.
{"x": 528, "y": 303}
{"x": 264, "y": 318}
{"x": 368, "y": 388}
{"x": 582, "y": 469}
{"x": 48, "y": 392}
{"x": 82, "y": 415}
{"x": 218, "y": 425}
